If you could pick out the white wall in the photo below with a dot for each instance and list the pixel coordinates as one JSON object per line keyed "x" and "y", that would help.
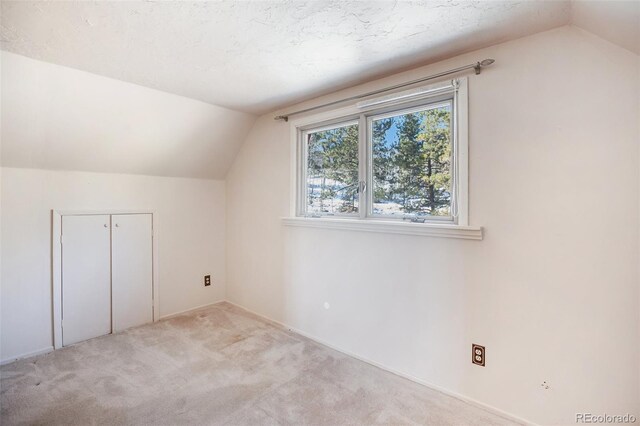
{"x": 190, "y": 232}
{"x": 59, "y": 118}
{"x": 552, "y": 290}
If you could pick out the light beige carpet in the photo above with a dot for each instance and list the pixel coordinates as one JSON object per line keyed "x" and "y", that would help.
{"x": 218, "y": 365}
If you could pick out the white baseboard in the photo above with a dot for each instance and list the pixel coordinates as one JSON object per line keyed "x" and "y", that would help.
{"x": 50, "y": 348}
{"x": 186, "y": 311}
{"x": 27, "y": 355}
{"x": 445, "y": 391}
{"x": 440, "y": 389}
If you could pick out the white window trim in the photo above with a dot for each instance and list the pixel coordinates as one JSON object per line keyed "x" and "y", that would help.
{"x": 459, "y": 229}
{"x": 367, "y": 160}
{"x": 301, "y": 167}
{"x": 388, "y": 227}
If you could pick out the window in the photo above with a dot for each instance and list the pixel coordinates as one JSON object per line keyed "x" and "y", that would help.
{"x": 397, "y": 158}
{"x": 412, "y": 162}
{"x": 332, "y": 170}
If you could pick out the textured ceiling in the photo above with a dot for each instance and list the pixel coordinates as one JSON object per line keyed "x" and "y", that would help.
{"x": 255, "y": 56}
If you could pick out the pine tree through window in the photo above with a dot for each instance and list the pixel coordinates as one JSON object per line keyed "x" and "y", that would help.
{"x": 332, "y": 171}
{"x": 412, "y": 163}
{"x": 399, "y": 158}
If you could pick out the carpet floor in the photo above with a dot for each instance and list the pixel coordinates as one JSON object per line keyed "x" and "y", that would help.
{"x": 217, "y": 365}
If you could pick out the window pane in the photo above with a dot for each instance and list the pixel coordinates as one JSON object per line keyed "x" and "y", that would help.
{"x": 412, "y": 163}
{"x": 332, "y": 171}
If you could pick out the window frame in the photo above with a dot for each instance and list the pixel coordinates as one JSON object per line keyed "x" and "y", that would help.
{"x": 402, "y": 109}
{"x": 302, "y": 165}
{"x": 455, "y": 91}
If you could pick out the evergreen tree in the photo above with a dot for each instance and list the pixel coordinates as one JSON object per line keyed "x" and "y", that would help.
{"x": 333, "y": 158}
{"x": 342, "y": 155}
{"x": 415, "y": 169}
{"x": 383, "y": 170}
{"x": 410, "y": 163}
{"x": 436, "y": 143}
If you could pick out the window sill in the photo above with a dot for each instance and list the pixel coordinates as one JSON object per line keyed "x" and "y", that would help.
{"x": 389, "y": 227}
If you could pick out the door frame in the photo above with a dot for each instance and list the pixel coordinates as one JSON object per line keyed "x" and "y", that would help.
{"x": 56, "y": 263}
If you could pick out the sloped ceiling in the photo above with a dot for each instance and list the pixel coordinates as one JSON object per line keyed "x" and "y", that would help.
{"x": 255, "y": 56}
{"x": 615, "y": 21}
{"x": 68, "y": 102}
{"x": 59, "y": 118}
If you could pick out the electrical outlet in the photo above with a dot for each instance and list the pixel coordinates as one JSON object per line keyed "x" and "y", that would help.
{"x": 207, "y": 280}
{"x": 477, "y": 355}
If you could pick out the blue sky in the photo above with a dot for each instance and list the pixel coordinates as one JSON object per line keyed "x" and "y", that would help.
{"x": 391, "y": 135}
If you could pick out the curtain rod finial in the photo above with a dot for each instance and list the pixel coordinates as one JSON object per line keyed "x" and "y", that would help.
{"x": 483, "y": 63}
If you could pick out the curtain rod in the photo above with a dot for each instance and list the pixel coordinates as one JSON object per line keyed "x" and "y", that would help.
{"x": 477, "y": 67}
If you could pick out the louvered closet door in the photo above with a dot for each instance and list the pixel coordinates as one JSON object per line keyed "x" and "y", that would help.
{"x": 86, "y": 286}
{"x": 132, "y": 270}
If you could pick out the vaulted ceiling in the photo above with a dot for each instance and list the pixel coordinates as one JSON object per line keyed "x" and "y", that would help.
{"x": 240, "y": 57}
{"x": 257, "y": 55}
{"x": 60, "y": 118}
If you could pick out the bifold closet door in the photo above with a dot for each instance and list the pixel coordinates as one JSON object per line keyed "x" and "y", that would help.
{"x": 131, "y": 270}
{"x": 86, "y": 279}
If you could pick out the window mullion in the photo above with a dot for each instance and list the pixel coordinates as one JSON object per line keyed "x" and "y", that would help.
{"x": 363, "y": 196}
{"x": 302, "y": 171}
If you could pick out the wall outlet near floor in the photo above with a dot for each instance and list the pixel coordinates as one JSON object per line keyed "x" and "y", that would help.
{"x": 207, "y": 280}
{"x": 477, "y": 354}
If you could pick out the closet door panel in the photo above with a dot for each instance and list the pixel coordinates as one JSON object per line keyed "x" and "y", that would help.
{"x": 86, "y": 285}
{"x": 132, "y": 270}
